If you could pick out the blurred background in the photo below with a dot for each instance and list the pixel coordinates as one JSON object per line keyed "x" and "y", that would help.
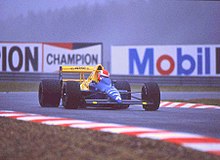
{"x": 112, "y": 22}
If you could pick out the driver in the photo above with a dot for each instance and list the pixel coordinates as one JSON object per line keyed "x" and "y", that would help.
{"x": 100, "y": 75}
{"x": 103, "y": 74}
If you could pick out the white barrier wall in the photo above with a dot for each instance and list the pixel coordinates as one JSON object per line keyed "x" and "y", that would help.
{"x": 47, "y": 57}
{"x": 181, "y": 60}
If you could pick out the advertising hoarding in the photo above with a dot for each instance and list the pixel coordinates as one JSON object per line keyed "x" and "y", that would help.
{"x": 179, "y": 60}
{"x": 47, "y": 57}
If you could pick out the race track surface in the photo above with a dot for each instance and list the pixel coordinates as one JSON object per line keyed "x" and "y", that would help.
{"x": 189, "y": 95}
{"x": 200, "y": 121}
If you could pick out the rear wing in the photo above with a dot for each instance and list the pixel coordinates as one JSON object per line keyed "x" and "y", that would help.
{"x": 78, "y": 69}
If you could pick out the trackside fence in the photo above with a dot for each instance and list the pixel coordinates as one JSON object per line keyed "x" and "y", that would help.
{"x": 161, "y": 80}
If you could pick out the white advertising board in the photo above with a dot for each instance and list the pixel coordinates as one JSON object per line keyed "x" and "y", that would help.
{"x": 55, "y": 56}
{"x": 47, "y": 57}
{"x": 20, "y": 57}
{"x": 181, "y": 60}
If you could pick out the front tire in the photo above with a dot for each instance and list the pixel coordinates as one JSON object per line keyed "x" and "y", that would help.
{"x": 151, "y": 94}
{"x": 49, "y": 93}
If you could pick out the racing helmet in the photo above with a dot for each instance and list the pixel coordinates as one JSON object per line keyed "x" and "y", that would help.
{"x": 103, "y": 74}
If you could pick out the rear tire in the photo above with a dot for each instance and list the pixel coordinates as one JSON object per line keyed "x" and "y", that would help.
{"x": 151, "y": 94}
{"x": 123, "y": 85}
{"x": 72, "y": 96}
{"x": 49, "y": 93}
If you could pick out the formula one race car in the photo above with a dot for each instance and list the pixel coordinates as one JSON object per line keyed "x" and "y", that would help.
{"x": 96, "y": 90}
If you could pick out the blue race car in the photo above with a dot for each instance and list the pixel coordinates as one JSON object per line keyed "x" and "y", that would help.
{"x": 97, "y": 90}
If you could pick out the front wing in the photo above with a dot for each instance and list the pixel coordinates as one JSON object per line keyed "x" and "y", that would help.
{"x": 98, "y": 102}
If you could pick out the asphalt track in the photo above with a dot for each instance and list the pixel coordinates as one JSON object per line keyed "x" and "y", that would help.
{"x": 189, "y": 95}
{"x": 199, "y": 121}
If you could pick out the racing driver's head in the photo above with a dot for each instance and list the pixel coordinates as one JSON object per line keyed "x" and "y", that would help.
{"x": 103, "y": 74}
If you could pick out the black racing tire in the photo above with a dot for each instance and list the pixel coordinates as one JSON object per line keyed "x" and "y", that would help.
{"x": 49, "y": 93}
{"x": 151, "y": 94}
{"x": 123, "y": 85}
{"x": 72, "y": 95}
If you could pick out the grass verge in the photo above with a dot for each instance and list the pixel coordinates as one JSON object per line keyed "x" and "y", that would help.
{"x": 27, "y": 140}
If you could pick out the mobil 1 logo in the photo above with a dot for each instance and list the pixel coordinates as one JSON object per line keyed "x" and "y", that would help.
{"x": 19, "y": 57}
